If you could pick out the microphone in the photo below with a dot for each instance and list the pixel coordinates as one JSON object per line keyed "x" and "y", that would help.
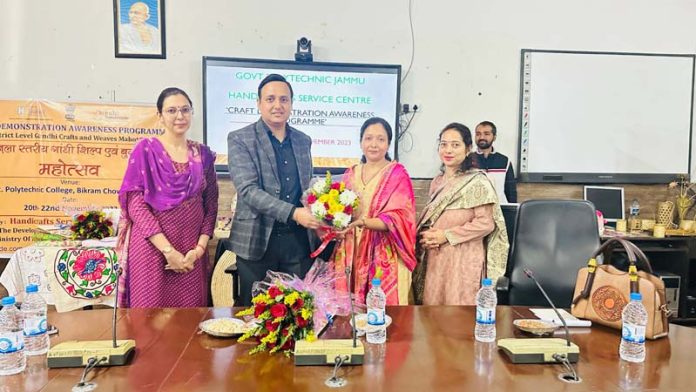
{"x": 530, "y": 275}
{"x": 352, "y": 310}
{"x": 335, "y": 352}
{"x": 543, "y": 350}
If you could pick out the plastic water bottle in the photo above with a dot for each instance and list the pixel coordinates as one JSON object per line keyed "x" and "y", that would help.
{"x": 634, "y": 211}
{"x": 486, "y": 301}
{"x": 12, "y": 359}
{"x": 634, "y": 319}
{"x": 376, "y": 302}
{"x": 33, "y": 312}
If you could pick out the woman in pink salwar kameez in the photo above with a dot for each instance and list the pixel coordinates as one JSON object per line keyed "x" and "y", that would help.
{"x": 169, "y": 199}
{"x": 382, "y": 234}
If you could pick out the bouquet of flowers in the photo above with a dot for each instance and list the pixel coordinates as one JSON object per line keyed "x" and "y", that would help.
{"x": 287, "y": 309}
{"x": 332, "y": 203}
{"x": 91, "y": 224}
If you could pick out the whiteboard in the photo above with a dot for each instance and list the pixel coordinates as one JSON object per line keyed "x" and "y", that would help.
{"x": 605, "y": 117}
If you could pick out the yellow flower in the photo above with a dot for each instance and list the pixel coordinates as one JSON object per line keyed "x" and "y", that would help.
{"x": 270, "y": 338}
{"x": 343, "y": 186}
{"x": 335, "y": 207}
{"x": 261, "y": 298}
{"x": 306, "y": 313}
{"x": 324, "y": 198}
{"x": 333, "y": 193}
{"x": 291, "y": 298}
{"x": 311, "y": 337}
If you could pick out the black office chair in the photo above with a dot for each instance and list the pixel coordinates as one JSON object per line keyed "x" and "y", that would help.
{"x": 554, "y": 239}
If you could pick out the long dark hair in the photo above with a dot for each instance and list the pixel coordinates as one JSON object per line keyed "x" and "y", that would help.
{"x": 469, "y": 162}
{"x": 387, "y": 128}
{"x": 168, "y": 92}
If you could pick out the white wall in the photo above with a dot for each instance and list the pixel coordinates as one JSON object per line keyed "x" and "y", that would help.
{"x": 467, "y": 52}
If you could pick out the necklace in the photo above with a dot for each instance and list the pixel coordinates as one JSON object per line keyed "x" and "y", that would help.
{"x": 372, "y": 175}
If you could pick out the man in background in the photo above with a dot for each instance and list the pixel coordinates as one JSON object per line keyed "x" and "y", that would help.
{"x": 270, "y": 165}
{"x": 496, "y": 165}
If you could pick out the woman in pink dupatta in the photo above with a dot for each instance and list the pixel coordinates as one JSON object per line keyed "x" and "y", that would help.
{"x": 382, "y": 233}
{"x": 169, "y": 205}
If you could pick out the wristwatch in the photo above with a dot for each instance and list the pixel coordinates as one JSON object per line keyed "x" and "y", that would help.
{"x": 167, "y": 249}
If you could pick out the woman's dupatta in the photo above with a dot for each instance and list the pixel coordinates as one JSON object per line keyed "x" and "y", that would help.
{"x": 394, "y": 204}
{"x": 472, "y": 190}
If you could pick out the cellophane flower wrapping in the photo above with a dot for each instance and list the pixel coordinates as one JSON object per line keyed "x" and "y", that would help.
{"x": 287, "y": 309}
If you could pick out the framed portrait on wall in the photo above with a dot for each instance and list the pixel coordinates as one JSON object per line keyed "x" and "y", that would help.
{"x": 139, "y": 29}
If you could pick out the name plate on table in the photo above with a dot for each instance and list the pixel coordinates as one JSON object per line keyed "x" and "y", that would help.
{"x": 325, "y": 351}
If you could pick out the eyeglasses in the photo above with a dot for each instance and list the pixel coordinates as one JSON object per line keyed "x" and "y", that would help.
{"x": 454, "y": 145}
{"x": 185, "y": 111}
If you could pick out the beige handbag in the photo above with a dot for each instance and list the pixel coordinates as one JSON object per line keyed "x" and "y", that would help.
{"x": 602, "y": 291}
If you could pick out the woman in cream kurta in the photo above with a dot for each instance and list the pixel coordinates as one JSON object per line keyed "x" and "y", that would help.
{"x": 462, "y": 229}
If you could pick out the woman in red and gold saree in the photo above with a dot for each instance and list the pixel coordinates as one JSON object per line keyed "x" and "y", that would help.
{"x": 382, "y": 233}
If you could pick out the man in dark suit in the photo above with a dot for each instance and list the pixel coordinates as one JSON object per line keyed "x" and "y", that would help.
{"x": 270, "y": 165}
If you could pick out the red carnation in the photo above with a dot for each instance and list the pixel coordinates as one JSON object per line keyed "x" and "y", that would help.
{"x": 278, "y": 310}
{"x": 298, "y": 304}
{"x": 274, "y": 291}
{"x": 326, "y": 205}
{"x": 285, "y": 331}
{"x": 336, "y": 186}
{"x": 109, "y": 223}
{"x": 271, "y": 326}
{"x": 289, "y": 344}
{"x": 301, "y": 323}
{"x": 259, "y": 308}
{"x": 81, "y": 218}
{"x": 328, "y": 217}
{"x": 311, "y": 198}
{"x": 348, "y": 210}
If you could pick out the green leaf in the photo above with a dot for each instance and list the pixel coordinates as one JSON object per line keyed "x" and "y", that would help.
{"x": 84, "y": 283}
{"x": 64, "y": 274}
{"x": 106, "y": 272}
{"x": 80, "y": 291}
{"x": 113, "y": 278}
{"x": 73, "y": 274}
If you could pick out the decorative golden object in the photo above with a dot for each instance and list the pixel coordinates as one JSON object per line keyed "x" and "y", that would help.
{"x": 634, "y": 224}
{"x": 621, "y": 225}
{"x": 665, "y": 210}
{"x": 659, "y": 231}
{"x": 647, "y": 224}
{"x": 686, "y": 224}
{"x": 683, "y": 205}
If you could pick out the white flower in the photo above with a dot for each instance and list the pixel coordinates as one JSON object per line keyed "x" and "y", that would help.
{"x": 320, "y": 187}
{"x": 341, "y": 220}
{"x": 347, "y": 197}
{"x": 318, "y": 210}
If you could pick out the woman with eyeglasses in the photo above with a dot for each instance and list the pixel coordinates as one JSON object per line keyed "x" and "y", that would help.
{"x": 462, "y": 235}
{"x": 169, "y": 200}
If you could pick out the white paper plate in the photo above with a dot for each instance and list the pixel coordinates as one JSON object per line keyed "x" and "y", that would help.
{"x": 363, "y": 326}
{"x": 224, "y": 327}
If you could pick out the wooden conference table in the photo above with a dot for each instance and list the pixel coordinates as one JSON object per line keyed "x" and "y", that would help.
{"x": 428, "y": 349}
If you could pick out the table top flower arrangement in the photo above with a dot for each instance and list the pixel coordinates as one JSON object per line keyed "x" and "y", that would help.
{"x": 91, "y": 225}
{"x": 286, "y": 308}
